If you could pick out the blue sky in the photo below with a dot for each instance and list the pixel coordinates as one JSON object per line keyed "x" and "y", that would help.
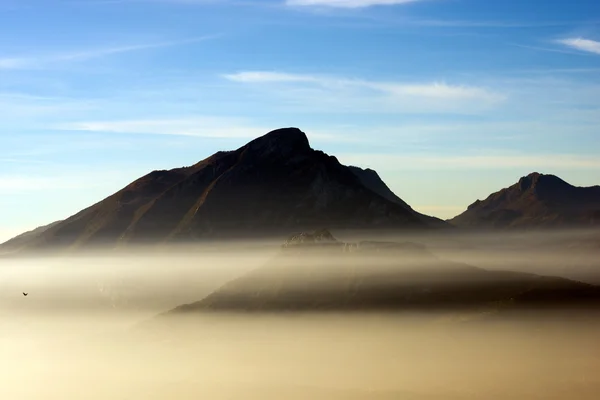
{"x": 449, "y": 100}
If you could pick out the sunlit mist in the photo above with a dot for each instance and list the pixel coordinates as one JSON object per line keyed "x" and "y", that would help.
{"x": 97, "y": 326}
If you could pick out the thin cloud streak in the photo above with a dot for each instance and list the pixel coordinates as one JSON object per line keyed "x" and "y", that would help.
{"x": 441, "y": 23}
{"x": 347, "y": 8}
{"x": 198, "y": 127}
{"x": 206, "y": 127}
{"x": 586, "y": 45}
{"x": 546, "y": 49}
{"x": 346, "y": 3}
{"x": 548, "y": 71}
{"x": 40, "y": 62}
{"x": 290, "y": 3}
{"x": 438, "y": 90}
{"x": 268, "y": 77}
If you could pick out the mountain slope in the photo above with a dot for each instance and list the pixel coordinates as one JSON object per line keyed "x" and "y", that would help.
{"x": 275, "y": 183}
{"x": 371, "y": 180}
{"x": 316, "y": 272}
{"x": 22, "y": 239}
{"x": 536, "y": 201}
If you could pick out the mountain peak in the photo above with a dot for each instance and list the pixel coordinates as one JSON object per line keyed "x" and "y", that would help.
{"x": 272, "y": 185}
{"x": 284, "y": 141}
{"x": 535, "y": 180}
{"x": 536, "y": 200}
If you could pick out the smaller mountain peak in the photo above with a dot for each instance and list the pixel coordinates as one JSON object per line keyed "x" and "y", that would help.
{"x": 528, "y": 181}
{"x": 285, "y": 141}
{"x": 536, "y": 179}
{"x": 286, "y": 132}
{"x": 536, "y": 176}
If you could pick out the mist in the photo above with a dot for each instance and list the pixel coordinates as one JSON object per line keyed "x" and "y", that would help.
{"x": 88, "y": 328}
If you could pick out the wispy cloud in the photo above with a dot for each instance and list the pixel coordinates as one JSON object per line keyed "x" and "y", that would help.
{"x": 437, "y": 90}
{"x": 347, "y": 8}
{"x": 299, "y": 3}
{"x": 587, "y": 45}
{"x": 43, "y": 61}
{"x": 330, "y": 94}
{"x": 546, "y": 49}
{"x": 199, "y": 127}
{"x": 346, "y": 3}
{"x": 501, "y": 24}
{"x": 205, "y": 127}
{"x": 549, "y": 71}
{"x": 267, "y": 76}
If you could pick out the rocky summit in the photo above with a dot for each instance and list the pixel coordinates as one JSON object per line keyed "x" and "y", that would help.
{"x": 274, "y": 185}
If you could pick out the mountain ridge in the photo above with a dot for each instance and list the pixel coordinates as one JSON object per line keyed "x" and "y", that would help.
{"x": 274, "y": 183}
{"x": 535, "y": 201}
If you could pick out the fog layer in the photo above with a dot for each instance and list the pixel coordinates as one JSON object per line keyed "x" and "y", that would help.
{"x": 87, "y": 330}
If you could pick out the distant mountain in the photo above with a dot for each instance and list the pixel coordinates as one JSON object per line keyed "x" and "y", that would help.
{"x": 315, "y": 272}
{"x": 536, "y": 201}
{"x": 274, "y": 184}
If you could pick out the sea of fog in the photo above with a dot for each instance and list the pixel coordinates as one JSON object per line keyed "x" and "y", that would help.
{"x": 87, "y": 330}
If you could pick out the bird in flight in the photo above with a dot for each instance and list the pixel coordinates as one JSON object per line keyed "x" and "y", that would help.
{"x": 25, "y": 294}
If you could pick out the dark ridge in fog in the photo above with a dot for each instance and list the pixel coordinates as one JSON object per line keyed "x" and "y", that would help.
{"x": 274, "y": 185}
{"x": 316, "y": 272}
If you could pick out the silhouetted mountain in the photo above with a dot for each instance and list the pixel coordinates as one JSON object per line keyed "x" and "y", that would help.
{"x": 316, "y": 272}
{"x": 536, "y": 201}
{"x": 275, "y": 184}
